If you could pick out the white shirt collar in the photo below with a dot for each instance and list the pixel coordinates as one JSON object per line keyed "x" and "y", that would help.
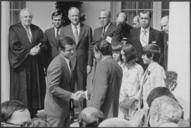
{"x": 73, "y": 26}
{"x": 147, "y": 29}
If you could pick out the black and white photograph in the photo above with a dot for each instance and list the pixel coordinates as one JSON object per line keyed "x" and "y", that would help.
{"x": 122, "y": 63}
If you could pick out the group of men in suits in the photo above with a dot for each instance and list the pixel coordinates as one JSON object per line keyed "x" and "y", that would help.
{"x": 65, "y": 56}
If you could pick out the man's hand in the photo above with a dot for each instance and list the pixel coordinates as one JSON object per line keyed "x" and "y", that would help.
{"x": 35, "y": 50}
{"x": 79, "y": 95}
{"x": 89, "y": 68}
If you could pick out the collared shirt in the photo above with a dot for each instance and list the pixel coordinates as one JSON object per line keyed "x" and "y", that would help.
{"x": 55, "y": 31}
{"x": 29, "y": 29}
{"x": 142, "y": 33}
{"x": 74, "y": 27}
{"x": 68, "y": 61}
{"x": 106, "y": 27}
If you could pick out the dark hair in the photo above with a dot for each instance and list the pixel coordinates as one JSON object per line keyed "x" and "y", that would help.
{"x": 157, "y": 92}
{"x": 56, "y": 13}
{"x": 65, "y": 41}
{"x": 9, "y": 107}
{"x": 146, "y": 11}
{"x": 124, "y": 13}
{"x": 130, "y": 52}
{"x": 152, "y": 50}
{"x": 104, "y": 47}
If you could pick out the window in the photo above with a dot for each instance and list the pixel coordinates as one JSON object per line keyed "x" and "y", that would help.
{"x": 15, "y": 7}
{"x": 158, "y": 9}
{"x": 132, "y": 8}
{"x": 165, "y": 8}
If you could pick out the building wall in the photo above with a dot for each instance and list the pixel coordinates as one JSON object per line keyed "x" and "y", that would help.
{"x": 92, "y": 10}
{"x": 179, "y": 51}
{"x": 42, "y": 13}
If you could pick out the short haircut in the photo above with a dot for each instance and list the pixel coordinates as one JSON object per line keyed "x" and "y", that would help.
{"x": 56, "y": 13}
{"x": 9, "y": 107}
{"x": 130, "y": 52}
{"x": 146, "y": 11}
{"x": 107, "y": 12}
{"x": 65, "y": 41}
{"x": 104, "y": 47}
{"x": 24, "y": 10}
{"x": 152, "y": 50}
{"x": 157, "y": 92}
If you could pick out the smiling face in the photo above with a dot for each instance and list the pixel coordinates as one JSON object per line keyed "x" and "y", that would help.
{"x": 26, "y": 18}
{"x": 146, "y": 60}
{"x": 74, "y": 16}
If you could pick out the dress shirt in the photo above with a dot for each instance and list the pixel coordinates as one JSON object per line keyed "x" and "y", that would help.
{"x": 55, "y": 31}
{"x": 144, "y": 35}
{"x": 29, "y": 32}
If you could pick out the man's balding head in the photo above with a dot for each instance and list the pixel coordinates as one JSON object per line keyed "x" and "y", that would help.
{"x": 26, "y": 17}
{"x": 74, "y": 15}
{"x": 90, "y": 116}
{"x": 104, "y": 17}
{"x": 164, "y": 24}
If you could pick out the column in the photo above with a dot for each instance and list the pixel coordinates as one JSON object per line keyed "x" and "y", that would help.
{"x": 5, "y": 75}
{"x": 179, "y": 51}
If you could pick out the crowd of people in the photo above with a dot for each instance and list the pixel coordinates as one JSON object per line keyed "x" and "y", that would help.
{"x": 115, "y": 76}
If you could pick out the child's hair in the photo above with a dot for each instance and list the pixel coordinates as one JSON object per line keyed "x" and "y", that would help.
{"x": 130, "y": 52}
{"x": 152, "y": 51}
{"x": 104, "y": 47}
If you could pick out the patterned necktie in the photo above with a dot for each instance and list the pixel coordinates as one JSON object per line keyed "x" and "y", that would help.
{"x": 144, "y": 38}
{"x": 76, "y": 34}
{"x": 29, "y": 34}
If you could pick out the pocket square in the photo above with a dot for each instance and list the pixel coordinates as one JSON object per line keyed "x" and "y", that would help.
{"x": 154, "y": 42}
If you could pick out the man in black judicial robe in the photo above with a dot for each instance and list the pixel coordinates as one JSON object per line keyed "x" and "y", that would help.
{"x": 26, "y": 49}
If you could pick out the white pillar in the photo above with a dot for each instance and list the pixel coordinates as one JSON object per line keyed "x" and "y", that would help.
{"x": 179, "y": 50}
{"x": 5, "y": 75}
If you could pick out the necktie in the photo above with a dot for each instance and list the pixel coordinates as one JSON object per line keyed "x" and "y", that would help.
{"x": 29, "y": 34}
{"x": 57, "y": 33}
{"x": 144, "y": 38}
{"x": 76, "y": 34}
{"x": 103, "y": 33}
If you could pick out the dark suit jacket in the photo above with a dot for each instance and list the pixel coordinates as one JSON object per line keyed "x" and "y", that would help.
{"x": 84, "y": 53}
{"x": 155, "y": 36}
{"x": 106, "y": 87}
{"x": 122, "y": 31}
{"x": 98, "y": 32}
{"x": 52, "y": 42}
{"x": 58, "y": 91}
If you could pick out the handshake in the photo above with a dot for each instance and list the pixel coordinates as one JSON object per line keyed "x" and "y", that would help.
{"x": 79, "y": 95}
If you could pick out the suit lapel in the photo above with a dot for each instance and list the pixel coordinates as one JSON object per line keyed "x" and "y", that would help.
{"x": 81, "y": 31}
{"x": 52, "y": 33}
{"x": 25, "y": 34}
{"x": 150, "y": 35}
{"x": 71, "y": 32}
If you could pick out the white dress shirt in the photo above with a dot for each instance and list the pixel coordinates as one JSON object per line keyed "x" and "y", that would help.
{"x": 144, "y": 37}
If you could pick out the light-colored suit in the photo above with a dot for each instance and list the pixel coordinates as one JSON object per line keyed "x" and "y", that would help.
{"x": 58, "y": 92}
{"x": 106, "y": 87}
